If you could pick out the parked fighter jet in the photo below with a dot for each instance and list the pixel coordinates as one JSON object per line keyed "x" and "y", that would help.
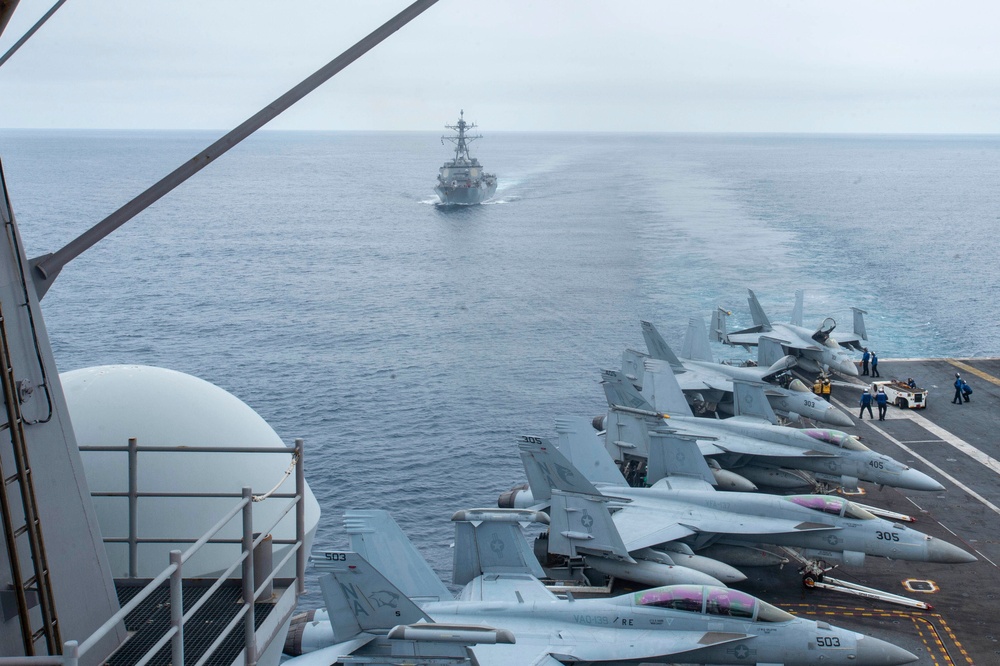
{"x": 853, "y": 339}
{"x": 749, "y": 444}
{"x": 511, "y": 618}
{"x": 816, "y": 350}
{"x": 684, "y": 507}
{"x": 699, "y": 375}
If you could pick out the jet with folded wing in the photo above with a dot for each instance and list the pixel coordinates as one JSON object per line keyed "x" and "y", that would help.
{"x": 853, "y": 339}
{"x": 683, "y": 507}
{"x": 509, "y": 617}
{"x": 699, "y": 375}
{"x": 816, "y": 350}
{"x": 749, "y": 444}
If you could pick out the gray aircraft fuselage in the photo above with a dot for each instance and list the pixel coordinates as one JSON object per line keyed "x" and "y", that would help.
{"x": 706, "y": 625}
{"x": 837, "y": 456}
{"x": 798, "y": 340}
{"x": 786, "y": 401}
{"x": 819, "y": 522}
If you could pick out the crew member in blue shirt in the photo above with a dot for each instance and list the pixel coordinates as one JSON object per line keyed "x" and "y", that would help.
{"x": 957, "y": 400}
{"x": 864, "y": 362}
{"x": 866, "y": 403}
{"x": 875, "y": 365}
{"x": 882, "y": 399}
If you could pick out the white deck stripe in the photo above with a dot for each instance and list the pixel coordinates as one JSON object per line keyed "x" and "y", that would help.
{"x": 947, "y": 438}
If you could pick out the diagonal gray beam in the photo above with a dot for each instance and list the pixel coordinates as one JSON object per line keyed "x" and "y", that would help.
{"x": 38, "y": 24}
{"x": 47, "y": 267}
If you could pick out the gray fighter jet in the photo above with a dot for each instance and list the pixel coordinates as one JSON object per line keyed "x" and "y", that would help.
{"x": 684, "y": 507}
{"x": 816, "y": 350}
{"x": 749, "y": 444}
{"x": 853, "y": 340}
{"x": 509, "y": 617}
{"x": 699, "y": 376}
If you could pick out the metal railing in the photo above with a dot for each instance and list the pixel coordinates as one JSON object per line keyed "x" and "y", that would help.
{"x": 73, "y": 650}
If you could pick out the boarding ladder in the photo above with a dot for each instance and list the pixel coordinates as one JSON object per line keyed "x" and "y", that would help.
{"x": 28, "y": 566}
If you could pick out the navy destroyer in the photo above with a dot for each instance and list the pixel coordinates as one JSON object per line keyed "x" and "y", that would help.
{"x": 462, "y": 180}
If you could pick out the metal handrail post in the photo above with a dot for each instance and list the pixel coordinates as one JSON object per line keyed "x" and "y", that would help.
{"x": 177, "y": 610}
{"x": 250, "y": 636}
{"x": 133, "y": 508}
{"x": 300, "y": 520}
{"x": 71, "y": 653}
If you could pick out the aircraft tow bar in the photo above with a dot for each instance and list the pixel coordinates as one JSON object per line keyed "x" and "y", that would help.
{"x": 814, "y": 577}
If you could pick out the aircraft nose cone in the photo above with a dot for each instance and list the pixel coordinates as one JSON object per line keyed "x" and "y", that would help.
{"x": 847, "y": 367}
{"x": 913, "y": 479}
{"x": 834, "y": 416}
{"x": 875, "y": 652}
{"x": 944, "y": 552}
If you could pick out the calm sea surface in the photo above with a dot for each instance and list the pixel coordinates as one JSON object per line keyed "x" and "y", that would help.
{"x": 311, "y": 275}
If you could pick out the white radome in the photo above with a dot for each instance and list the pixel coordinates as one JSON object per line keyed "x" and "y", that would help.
{"x": 160, "y": 407}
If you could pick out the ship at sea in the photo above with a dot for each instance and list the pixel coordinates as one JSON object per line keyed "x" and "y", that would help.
{"x": 127, "y": 536}
{"x": 463, "y": 180}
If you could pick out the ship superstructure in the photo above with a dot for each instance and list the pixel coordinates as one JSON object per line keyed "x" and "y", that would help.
{"x": 463, "y": 180}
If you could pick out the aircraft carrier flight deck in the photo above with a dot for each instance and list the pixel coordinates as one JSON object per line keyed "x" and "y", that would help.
{"x": 957, "y": 444}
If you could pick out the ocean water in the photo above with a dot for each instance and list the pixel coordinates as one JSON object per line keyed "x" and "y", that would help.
{"x": 313, "y": 276}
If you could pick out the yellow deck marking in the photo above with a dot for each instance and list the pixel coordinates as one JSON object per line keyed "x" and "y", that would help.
{"x": 978, "y": 373}
{"x": 931, "y": 628}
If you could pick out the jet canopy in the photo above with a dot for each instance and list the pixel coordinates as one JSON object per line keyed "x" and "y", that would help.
{"x": 834, "y": 506}
{"x": 709, "y": 600}
{"x": 837, "y": 438}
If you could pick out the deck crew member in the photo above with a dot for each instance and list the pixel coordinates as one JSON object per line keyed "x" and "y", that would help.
{"x": 864, "y": 361}
{"x": 883, "y": 400}
{"x": 875, "y": 365}
{"x": 957, "y": 400}
{"x": 866, "y": 403}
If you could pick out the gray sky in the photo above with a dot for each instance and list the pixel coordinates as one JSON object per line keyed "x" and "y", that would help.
{"x": 612, "y": 65}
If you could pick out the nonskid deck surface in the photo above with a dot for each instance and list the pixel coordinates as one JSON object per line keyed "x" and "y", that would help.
{"x": 151, "y": 620}
{"x": 957, "y": 445}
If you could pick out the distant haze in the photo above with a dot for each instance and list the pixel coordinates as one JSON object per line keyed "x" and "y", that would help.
{"x": 893, "y": 66}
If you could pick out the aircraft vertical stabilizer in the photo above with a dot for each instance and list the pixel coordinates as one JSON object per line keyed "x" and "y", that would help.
{"x": 796, "y": 319}
{"x": 749, "y": 400}
{"x": 632, "y": 366}
{"x": 352, "y": 586}
{"x": 859, "y": 323}
{"x": 582, "y": 524}
{"x": 582, "y": 446}
{"x": 376, "y": 537}
{"x": 674, "y": 456}
{"x": 547, "y": 468}
{"x": 757, "y": 312}
{"x": 624, "y": 432}
{"x": 717, "y": 327}
{"x": 696, "y": 346}
{"x": 661, "y": 389}
{"x": 658, "y": 347}
{"x": 621, "y": 393}
{"x": 769, "y": 351}
{"x": 489, "y": 541}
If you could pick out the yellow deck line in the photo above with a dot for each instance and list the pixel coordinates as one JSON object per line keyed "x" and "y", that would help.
{"x": 978, "y": 373}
